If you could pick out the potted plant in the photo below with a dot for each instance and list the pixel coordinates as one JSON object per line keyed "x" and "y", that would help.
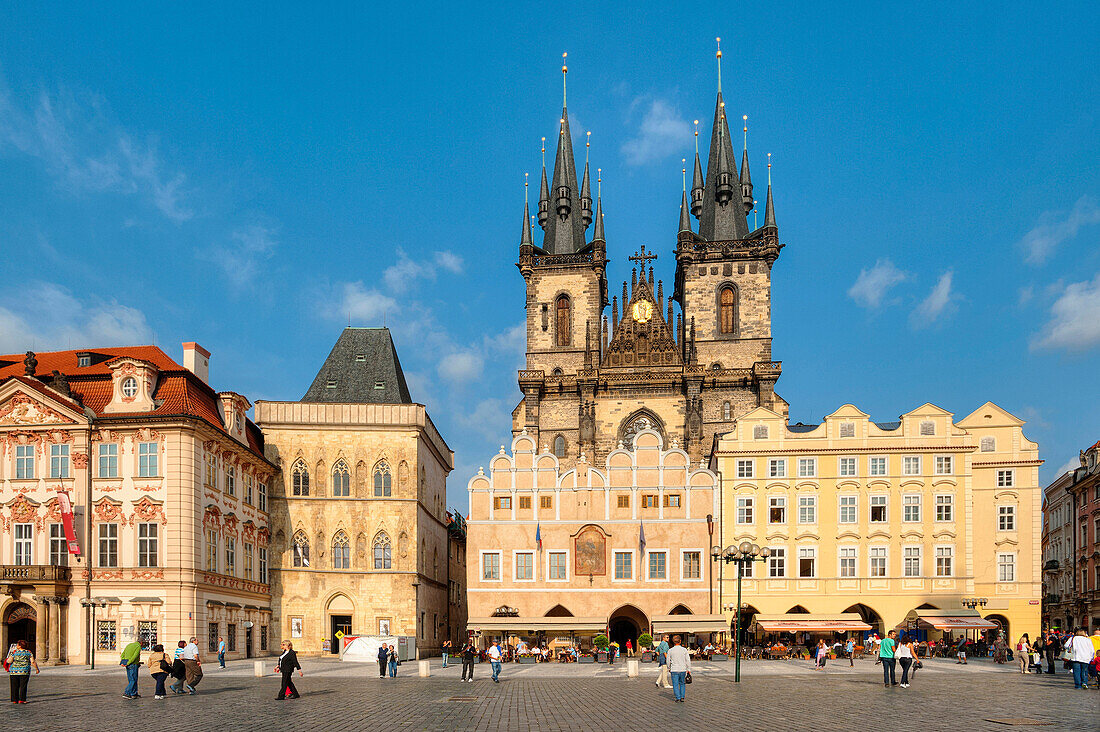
{"x": 586, "y": 658}
{"x": 527, "y": 658}
{"x": 601, "y": 642}
{"x": 645, "y": 645}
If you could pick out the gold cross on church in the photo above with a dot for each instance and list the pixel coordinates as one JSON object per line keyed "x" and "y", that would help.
{"x": 642, "y": 257}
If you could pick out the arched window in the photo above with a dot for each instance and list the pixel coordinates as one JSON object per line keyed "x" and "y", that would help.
{"x": 557, "y": 371}
{"x": 382, "y": 555}
{"x": 726, "y": 411}
{"x": 301, "y": 549}
{"x": 562, "y": 320}
{"x": 341, "y": 479}
{"x": 382, "y": 480}
{"x": 727, "y": 310}
{"x": 341, "y": 551}
{"x": 300, "y": 479}
{"x": 559, "y": 446}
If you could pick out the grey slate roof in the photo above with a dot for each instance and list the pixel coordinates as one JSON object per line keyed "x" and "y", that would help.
{"x": 799, "y": 427}
{"x": 362, "y": 368}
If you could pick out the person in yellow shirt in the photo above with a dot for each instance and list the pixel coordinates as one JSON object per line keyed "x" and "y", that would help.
{"x": 1095, "y": 639}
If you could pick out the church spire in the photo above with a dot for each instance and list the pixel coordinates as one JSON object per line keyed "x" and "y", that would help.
{"x": 723, "y": 213}
{"x": 597, "y": 233}
{"x": 685, "y": 217}
{"x": 525, "y": 240}
{"x": 564, "y": 228}
{"x": 697, "y": 180}
{"x": 586, "y": 191}
{"x": 544, "y": 192}
{"x": 746, "y": 179}
{"x": 769, "y": 210}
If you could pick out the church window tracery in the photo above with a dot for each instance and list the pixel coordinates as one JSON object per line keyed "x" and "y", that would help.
{"x": 301, "y": 549}
{"x": 300, "y": 479}
{"x": 559, "y": 446}
{"x": 562, "y": 318}
{"x": 382, "y": 486}
{"x": 341, "y": 551}
{"x": 341, "y": 479}
{"x": 382, "y": 551}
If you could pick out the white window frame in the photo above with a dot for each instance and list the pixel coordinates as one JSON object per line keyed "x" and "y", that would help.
{"x": 148, "y": 460}
{"x": 261, "y": 494}
{"x": 877, "y": 466}
{"x": 230, "y": 480}
{"x": 782, "y": 504}
{"x": 60, "y": 466}
{"x": 230, "y": 556}
{"x": 852, "y": 559}
{"x": 652, "y": 552}
{"x": 59, "y": 545}
{"x": 550, "y": 574}
{"x": 261, "y": 559}
{"x": 871, "y": 503}
{"x": 23, "y": 546}
{"x": 950, "y": 506}
{"x": 878, "y": 552}
{"x": 774, "y": 557}
{"x": 841, "y": 508}
{"x": 749, "y": 507}
{"x": 148, "y": 545}
{"x": 807, "y": 503}
{"x": 945, "y": 551}
{"x": 108, "y": 460}
{"x": 515, "y": 565}
{"x": 746, "y": 468}
{"x": 777, "y": 468}
{"x": 1006, "y": 514}
{"x": 846, "y": 467}
{"x": 945, "y": 464}
{"x": 703, "y": 558}
{"x": 1006, "y": 478}
{"x": 22, "y": 462}
{"x": 807, "y": 467}
{"x": 500, "y": 566}
{"x": 807, "y": 552}
{"x": 909, "y": 554}
{"x": 1002, "y": 565}
{"x": 911, "y": 465}
{"x": 615, "y": 565}
{"x": 911, "y": 502}
{"x": 108, "y": 541}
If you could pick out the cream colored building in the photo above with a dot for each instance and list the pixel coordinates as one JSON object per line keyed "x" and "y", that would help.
{"x": 884, "y": 518}
{"x": 624, "y": 545}
{"x": 359, "y": 518}
{"x": 168, "y": 486}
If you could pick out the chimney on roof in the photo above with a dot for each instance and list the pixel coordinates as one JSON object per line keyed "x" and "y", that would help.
{"x": 196, "y": 359}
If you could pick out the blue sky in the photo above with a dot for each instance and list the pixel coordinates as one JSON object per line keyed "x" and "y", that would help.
{"x": 248, "y": 177}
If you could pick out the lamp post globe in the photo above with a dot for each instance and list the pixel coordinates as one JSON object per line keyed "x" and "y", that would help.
{"x": 745, "y": 547}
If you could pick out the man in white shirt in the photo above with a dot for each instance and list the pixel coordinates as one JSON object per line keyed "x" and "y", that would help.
{"x": 192, "y": 664}
{"x": 679, "y": 666}
{"x": 1079, "y": 651}
{"x": 494, "y": 660}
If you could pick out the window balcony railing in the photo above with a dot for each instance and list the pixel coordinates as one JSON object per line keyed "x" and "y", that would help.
{"x": 35, "y": 573}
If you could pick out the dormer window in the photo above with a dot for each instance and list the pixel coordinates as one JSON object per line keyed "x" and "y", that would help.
{"x": 379, "y": 385}
{"x": 129, "y": 387}
{"x": 360, "y": 358}
{"x": 83, "y": 359}
{"x": 331, "y": 384}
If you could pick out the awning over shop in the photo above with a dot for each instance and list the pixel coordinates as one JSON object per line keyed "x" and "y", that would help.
{"x": 794, "y": 622}
{"x": 947, "y": 620}
{"x": 690, "y": 624}
{"x": 520, "y": 624}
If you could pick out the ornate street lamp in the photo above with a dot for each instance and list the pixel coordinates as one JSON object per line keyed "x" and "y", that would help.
{"x": 743, "y": 555}
{"x": 93, "y": 603}
{"x": 972, "y": 602}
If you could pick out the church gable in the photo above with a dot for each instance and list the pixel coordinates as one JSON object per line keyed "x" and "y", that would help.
{"x": 643, "y": 337}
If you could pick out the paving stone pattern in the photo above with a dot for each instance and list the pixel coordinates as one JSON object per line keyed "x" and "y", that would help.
{"x": 776, "y": 696}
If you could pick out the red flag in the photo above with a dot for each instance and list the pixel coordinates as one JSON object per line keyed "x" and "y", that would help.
{"x": 67, "y": 521}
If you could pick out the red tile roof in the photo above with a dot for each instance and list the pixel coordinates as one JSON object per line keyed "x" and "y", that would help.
{"x": 178, "y": 391}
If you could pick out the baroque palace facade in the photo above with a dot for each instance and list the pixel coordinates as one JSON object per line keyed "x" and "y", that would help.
{"x": 127, "y": 482}
{"x": 363, "y": 541}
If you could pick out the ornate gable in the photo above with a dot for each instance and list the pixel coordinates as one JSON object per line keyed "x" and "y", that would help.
{"x": 643, "y": 337}
{"x": 21, "y": 409}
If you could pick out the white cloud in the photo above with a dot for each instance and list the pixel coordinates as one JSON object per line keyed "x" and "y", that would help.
{"x": 461, "y": 366}
{"x": 241, "y": 257}
{"x": 490, "y": 418}
{"x": 938, "y": 303}
{"x": 84, "y": 151}
{"x": 1071, "y": 464}
{"x": 449, "y": 261}
{"x": 367, "y": 307}
{"x": 46, "y": 316}
{"x": 1074, "y": 323}
{"x": 872, "y": 285}
{"x": 405, "y": 271}
{"x": 1055, "y": 227}
{"x": 1024, "y": 295}
{"x": 662, "y": 132}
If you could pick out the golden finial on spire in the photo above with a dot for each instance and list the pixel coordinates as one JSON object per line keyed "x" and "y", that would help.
{"x": 697, "y": 137}
{"x": 719, "y": 56}
{"x": 684, "y": 172}
{"x": 587, "y": 145}
{"x": 599, "y": 182}
{"x": 544, "y": 154}
{"x": 769, "y": 169}
{"x": 745, "y": 119}
{"x": 564, "y": 71}
{"x": 525, "y": 199}
{"x": 754, "y": 224}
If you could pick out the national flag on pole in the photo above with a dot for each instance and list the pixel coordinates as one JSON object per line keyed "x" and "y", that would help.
{"x": 538, "y": 536}
{"x": 641, "y": 536}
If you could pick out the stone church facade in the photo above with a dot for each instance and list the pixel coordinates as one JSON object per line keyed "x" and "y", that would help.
{"x": 685, "y": 364}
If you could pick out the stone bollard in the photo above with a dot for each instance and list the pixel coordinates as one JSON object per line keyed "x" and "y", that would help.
{"x": 425, "y": 669}
{"x": 258, "y": 669}
{"x": 632, "y": 665}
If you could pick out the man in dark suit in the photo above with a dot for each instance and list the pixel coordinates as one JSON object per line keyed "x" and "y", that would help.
{"x": 383, "y": 660}
{"x": 288, "y": 662}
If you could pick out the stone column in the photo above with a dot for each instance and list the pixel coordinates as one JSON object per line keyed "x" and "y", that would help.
{"x": 42, "y": 647}
{"x": 55, "y": 630}
{"x": 60, "y": 612}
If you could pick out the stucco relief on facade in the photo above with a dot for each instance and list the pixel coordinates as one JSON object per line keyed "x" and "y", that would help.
{"x": 21, "y": 409}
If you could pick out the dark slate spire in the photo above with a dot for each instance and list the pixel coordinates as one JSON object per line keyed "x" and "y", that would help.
{"x": 769, "y": 210}
{"x": 746, "y": 179}
{"x": 685, "y": 216}
{"x": 526, "y": 238}
{"x": 723, "y": 214}
{"x": 697, "y": 187}
{"x": 586, "y": 189}
{"x": 544, "y": 192}
{"x": 564, "y": 228}
{"x": 597, "y": 232}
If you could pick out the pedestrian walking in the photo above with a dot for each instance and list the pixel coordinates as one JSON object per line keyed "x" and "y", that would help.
{"x": 179, "y": 671}
{"x": 1080, "y": 653}
{"x": 907, "y": 657}
{"x": 19, "y": 663}
{"x": 1023, "y": 652}
{"x": 221, "y": 652}
{"x": 679, "y": 665}
{"x": 192, "y": 665}
{"x": 886, "y": 656}
{"x": 383, "y": 660}
{"x": 663, "y": 678}
{"x": 394, "y": 663}
{"x": 468, "y": 655}
{"x": 494, "y": 660}
{"x": 960, "y": 650}
{"x": 446, "y": 648}
{"x": 1050, "y": 650}
{"x": 819, "y": 655}
{"x": 288, "y": 663}
{"x": 159, "y": 668}
{"x": 850, "y": 649}
{"x": 131, "y": 659}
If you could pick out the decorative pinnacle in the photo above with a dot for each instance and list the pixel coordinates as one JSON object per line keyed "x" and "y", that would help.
{"x": 696, "y": 137}
{"x": 745, "y": 119}
{"x": 769, "y": 169}
{"x": 719, "y": 56}
{"x": 587, "y": 145}
{"x": 544, "y": 152}
{"x": 564, "y": 71}
{"x": 525, "y": 187}
{"x": 599, "y": 180}
{"x": 683, "y": 173}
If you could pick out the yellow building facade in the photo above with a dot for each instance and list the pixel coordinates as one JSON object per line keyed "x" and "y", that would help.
{"x": 884, "y": 518}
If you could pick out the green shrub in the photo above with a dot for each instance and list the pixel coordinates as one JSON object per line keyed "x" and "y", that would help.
{"x": 645, "y": 640}
{"x": 600, "y": 642}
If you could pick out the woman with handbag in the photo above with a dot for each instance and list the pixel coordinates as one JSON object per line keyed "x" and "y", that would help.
{"x": 288, "y": 663}
{"x": 907, "y": 656}
{"x": 159, "y": 668}
{"x": 1023, "y": 652}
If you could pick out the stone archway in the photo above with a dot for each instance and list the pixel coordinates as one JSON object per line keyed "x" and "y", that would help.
{"x": 870, "y": 617}
{"x": 1002, "y": 628}
{"x": 20, "y": 624}
{"x": 627, "y": 623}
{"x": 341, "y": 613}
{"x": 558, "y": 611}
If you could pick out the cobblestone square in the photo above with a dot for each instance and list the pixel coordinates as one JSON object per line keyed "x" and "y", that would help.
{"x": 772, "y": 696}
